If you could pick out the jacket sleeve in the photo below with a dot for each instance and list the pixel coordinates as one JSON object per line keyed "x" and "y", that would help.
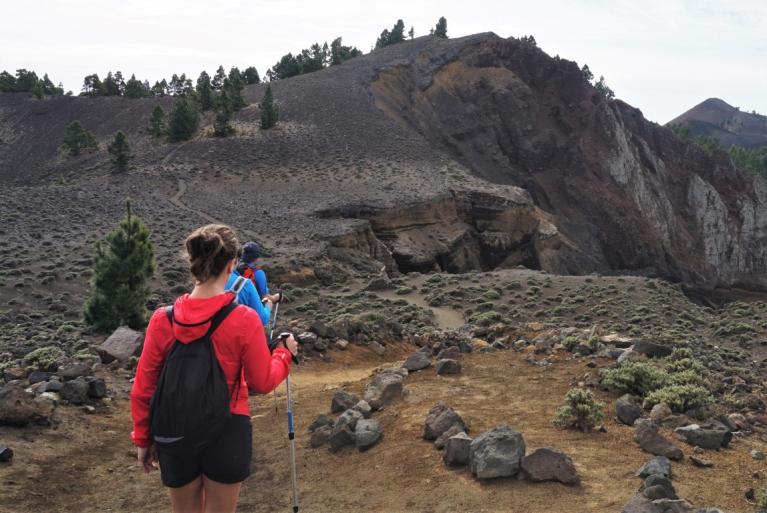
{"x": 261, "y": 282}
{"x": 263, "y": 371}
{"x": 147, "y": 374}
{"x": 249, "y": 297}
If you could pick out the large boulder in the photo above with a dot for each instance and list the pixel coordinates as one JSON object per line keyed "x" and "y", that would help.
{"x": 457, "y": 450}
{"x": 367, "y": 433}
{"x": 628, "y": 409}
{"x": 342, "y": 401}
{"x": 384, "y": 389}
{"x": 547, "y": 464}
{"x": 441, "y": 418}
{"x": 18, "y": 407}
{"x": 121, "y": 345}
{"x": 651, "y": 349}
{"x": 650, "y": 440}
{"x": 497, "y": 453}
{"x": 417, "y": 361}
{"x": 711, "y": 436}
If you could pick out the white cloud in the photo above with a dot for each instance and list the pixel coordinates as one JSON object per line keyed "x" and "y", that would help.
{"x": 661, "y": 56}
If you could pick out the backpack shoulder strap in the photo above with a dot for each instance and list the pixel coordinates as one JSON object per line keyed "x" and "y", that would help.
{"x": 169, "y": 313}
{"x": 238, "y": 285}
{"x": 222, "y": 314}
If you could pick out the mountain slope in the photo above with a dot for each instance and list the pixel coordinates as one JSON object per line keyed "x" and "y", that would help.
{"x": 716, "y": 118}
{"x": 432, "y": 154}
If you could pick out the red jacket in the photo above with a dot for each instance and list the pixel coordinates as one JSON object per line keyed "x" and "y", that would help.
{"x": 239, "y": 343}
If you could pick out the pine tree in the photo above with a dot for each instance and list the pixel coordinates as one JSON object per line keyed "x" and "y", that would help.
{"x": 218, "y": 79}
{"x": 157, "y": 122}
{"x": 397, "y": 34}
{"x": 205, "y": 92}
{"x": 76, "y": 138}
{"x": 250, "y": 75}
{"x": 340, "y": 53}
{"x": 38, "y": 90}
{"x": 123, "y": 266}
{"x": 587, "y": 74}
{"x": 233, "y": 86}
{"x": 92, "y": 86}
{"x": 603, "y": 89}
{"x": 184, "y": 119}
{"x": 411, "y": 32}
{"x": 221, "y": 127}
{"x": 441, "y": 29}
{"x": 269, "y": 110}
{"x": 134, "y": 88}
{"x": 120, "y": 151}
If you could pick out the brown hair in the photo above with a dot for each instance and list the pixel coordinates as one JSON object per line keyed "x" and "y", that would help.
{"x": 209, "y": 249}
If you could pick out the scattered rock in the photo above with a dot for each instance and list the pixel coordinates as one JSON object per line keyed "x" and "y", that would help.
{"x": 342, "y": 401}
{"x": 628, "y": 409}
{"x": 448, "y": 366}
{"x": 713, "y": 436}
{"x": 54, "y": 385}
{"x": 450, "y": 353}
{"x": 38, "y": 377}
{"x": 363, "y": 407}
{"x": 13, "y": 373}
{"x": 6, "y": 454}
{"x": 640, "y": 504}
{"x": 651, "y": 349}
{"x": 496, "y": 453}
{"x": 348, "y": 418}
{"x": 700, "y": 463}
{"x": 439, "y": 419}
{"x": 367, "y": 433}
{"x": 673, "y": 505}
{"x": 384, "y": 389}
{"x": 321, "y": 346}
{"x": 18, "y": 407}
{"x": 97, "y": 388}
{"x": 547, "y": 464}
{"x": 73, "y": 369}
{"x": 377, "y": 348}
{"x": 650, "y": 440}
{"x": 75, "y": 391}
{"x": 738, "y": 421}
{"x": 757, "y": 455}
{"x": 658, "y": 487}
{"x": 307, "y": 339}
{"x": 320, "y": 435}
{"x": 442, "y": 439}
{"x": 341, "y": 437}
{"x": 660, "y": 465}
{"x": 341, "y": 344}
{"x": 457, "y": 450}
{"x": 321, "y": 420}
{"x": 121, "y": 345}
{"x": 660, "y": 412}
{"x": 417, "y": 361}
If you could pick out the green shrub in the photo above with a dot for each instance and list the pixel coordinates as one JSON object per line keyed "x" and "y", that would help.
{"x": 686, "y": 364}
{"x": 681, "y": 397}
{"x": 637, "y": 378}
{"x": 580, "y": 411}
{"x": 486, "y": 318}
{"x": 44, "y": 359}
{"x": 491, "y": 295}
{"x": 404, "y": 290}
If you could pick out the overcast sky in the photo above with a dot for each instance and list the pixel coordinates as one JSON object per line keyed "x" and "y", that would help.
{"x": 662, "y": 56}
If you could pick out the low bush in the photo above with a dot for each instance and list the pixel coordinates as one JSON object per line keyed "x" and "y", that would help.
{"x": 44, "y": 359}
{"x": 580, "y": 411}
{"x": 681, "y": 397}
{"x": 639, "y": 378}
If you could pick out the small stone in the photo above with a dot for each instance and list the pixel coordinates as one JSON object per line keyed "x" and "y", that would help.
{"x": 649, "y": 439}
{"x": 363, "y": 407}
{"x": 547, "y": 464}
{"x": 757, "y": 455}
{"x": 451, "y": 353}
{"x": 658, "y": 487}
{"x": 341, "y": 344}
{"x": 348, "y": 418}
{"x": 321, "y": 420}
{"x": 457, "y": 450}
{"x": 441, "y": 440}
{"x": 448, "y": 366}
{"x": 628, "y": 409}
{"x": 660, "y": 465}
{"x": 367, "y": 433}
{"x": 320, "y": 435}
{"x": 342, "y": 401}
{"x": 341, "y": 437}
{"x": 74, "y": 369}
{"x": 417, "y": 361}
{"x": 13, "y": 373}
{"x": 660, "y": 412}
{"x": 75, "y": 391}
{"x": 38, "y": 377}
{"x": 54, "y": 385}
{"x": 700, "y": 463}
{"x": 97, "y": 388}
{"x": 710, "y": 436}
{"x": 6, "y": 454}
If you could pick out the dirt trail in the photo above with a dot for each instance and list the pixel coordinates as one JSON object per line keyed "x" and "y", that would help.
{"x": 87, "y": 464}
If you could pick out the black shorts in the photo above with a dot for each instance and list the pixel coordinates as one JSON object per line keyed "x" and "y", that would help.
{"x": 226, "y": 461}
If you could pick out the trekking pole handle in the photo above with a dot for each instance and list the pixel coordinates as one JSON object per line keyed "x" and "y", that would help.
{"x": 282, "y": 337}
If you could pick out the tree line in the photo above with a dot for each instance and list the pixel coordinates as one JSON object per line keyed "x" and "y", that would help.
{"x": 753, "y": 160}
{"x": 28, "y": 82}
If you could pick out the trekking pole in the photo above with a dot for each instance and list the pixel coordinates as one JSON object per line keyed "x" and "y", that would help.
{"x": 291, "y": 436}
{"x": 272, "y": 324}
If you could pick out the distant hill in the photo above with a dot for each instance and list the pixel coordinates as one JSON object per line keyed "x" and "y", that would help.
{"x": 716, "y": 118}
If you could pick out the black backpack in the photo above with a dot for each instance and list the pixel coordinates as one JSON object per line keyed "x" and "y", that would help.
{"x": 190, "y": 406}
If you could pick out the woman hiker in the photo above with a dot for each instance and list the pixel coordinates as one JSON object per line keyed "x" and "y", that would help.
{"x": 203, "y": 447}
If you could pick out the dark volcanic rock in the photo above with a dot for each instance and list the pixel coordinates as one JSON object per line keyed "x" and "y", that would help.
{"x": 19, "y": 408}
{"x": 367, "y": 433}
{"x": 6, "y": 453}
{"x": 342, "y": 401}
{"x": 75, "y": 391}
{"x": 713, "y": 436}
{"x": 441, "y": 418}
{"x": 121, "y": 345}
{"x": 550, "y": 465}
{"x": 320, "y": 435}
{"x": 497, "y": 453}
{"x": 649, "y": 439}
{"x": 321, "y": 420}
{"x": 660, "y": 466}
{"x": 442, "y": 439}
{"x": 384, "y": 389}
{"x": 457, "y": 450}
{"x": 628, "y": 409}
{"x": 417, "y": 361}
{"x": 448, "y": 366}
{"x": 651, "y": 349}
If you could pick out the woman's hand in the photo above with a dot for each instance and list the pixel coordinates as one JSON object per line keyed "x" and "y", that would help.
{"x": 147, "y": 458}
{"x": 290, "y": 344}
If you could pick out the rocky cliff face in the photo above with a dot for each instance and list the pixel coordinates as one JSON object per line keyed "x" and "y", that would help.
{"x": 627, "y": 192}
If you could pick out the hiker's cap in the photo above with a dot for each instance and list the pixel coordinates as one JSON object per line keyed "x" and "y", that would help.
{"x": 250, "y": 252}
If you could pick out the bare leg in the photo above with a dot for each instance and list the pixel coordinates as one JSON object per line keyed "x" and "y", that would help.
{"x": 188, "y": 498}
{"x": 219, "y": 497}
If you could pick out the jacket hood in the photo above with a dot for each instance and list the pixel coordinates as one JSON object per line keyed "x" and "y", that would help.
{"x": 192, "y": 316}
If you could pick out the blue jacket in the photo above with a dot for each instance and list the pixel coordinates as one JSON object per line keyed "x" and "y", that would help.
{"x": 261, "y": 284}
{"x": 248, "y": 296}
